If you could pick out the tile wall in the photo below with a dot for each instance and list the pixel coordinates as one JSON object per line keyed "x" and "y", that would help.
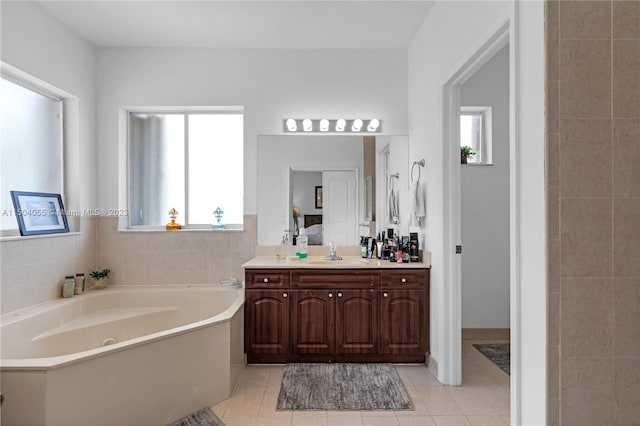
{"x": 593, "y": 202}
{"x": 175, "y": 257}
{"x": 33, "y": 268}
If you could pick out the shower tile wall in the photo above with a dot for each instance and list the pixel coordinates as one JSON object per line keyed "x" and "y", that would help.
{"x": 593, "y": 211}
{"x": 175, "y": 257}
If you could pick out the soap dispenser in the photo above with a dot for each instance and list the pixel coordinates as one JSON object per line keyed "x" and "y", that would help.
{"x": 283, "y": 249}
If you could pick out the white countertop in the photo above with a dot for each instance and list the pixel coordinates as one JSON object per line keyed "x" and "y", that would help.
{"x": 318, "y": 262}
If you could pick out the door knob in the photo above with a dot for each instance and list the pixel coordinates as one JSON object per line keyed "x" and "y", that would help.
{"x": 404, "y": 280}
{"x": 266, "y": 280}
{"x": 385, "y": 294}
{"x": 330, "y": 294}
{"x": 285, "y": 295}
{"x": 339, "y": 294}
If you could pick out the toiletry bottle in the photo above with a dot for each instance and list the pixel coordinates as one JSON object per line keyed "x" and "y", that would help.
{"x": 68, "y": 286}
{"x": 363, "y": 247}
{"x": 283, "y": 249}
{"x": 79, "y": 284}
{"x": 302, "y": 244}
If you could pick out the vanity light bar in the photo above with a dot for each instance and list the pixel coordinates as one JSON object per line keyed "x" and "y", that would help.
{"x": 324, "y": 125}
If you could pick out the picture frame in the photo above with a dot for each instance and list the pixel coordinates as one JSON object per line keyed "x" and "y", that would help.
{"x": 318, "y": 197}
{"x": 39, "y": 213}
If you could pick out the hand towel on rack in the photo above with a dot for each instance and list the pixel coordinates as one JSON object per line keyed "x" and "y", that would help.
{"x": 393, "y": 215}
{"x": 418, "y": 205}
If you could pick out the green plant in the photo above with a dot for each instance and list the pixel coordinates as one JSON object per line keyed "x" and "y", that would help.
{"x": 100, "y": 275}
{"x": 466, "y": 151}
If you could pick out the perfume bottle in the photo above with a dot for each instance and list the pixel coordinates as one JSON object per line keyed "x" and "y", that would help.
{"x": 172, "y": 226}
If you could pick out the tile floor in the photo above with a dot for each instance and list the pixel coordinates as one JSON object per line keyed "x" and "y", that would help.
{"x": 483, "y": 399}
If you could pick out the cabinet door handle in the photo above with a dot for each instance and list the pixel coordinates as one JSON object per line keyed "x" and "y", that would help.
{"x": 339, "y": 294}
{"x": 385, "y": 294}
{"x": 330, "y": 294}
{"x": 266, "y": 280}
{"x": 285, "y": 295}
{"x": 404, "y": 280}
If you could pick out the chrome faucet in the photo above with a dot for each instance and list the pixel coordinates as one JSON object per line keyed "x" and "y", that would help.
{"x": 233, "y": 282}
{"x": 332, "y": 252}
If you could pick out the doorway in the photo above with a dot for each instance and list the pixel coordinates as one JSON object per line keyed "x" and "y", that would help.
{"x": 484, "y": 201}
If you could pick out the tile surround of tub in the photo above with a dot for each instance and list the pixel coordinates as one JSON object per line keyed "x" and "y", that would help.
{"x": 175, "y": 257}
{"x": 33, "y": 268}
{"x": 593, "y": 200}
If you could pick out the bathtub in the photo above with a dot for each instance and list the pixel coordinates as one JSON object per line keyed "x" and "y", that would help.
{"x": 126, "y": 355}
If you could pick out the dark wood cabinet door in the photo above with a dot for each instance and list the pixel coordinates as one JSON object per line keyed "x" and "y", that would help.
{"x": 266, "y": 321}
{"x": 357, "y": 327}
{"x": 312, "y": 321}
{"x": 402, "y": 322}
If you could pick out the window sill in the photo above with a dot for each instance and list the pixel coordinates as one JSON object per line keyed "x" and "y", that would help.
{"x": 189, "y": 230}
{"x": 36, "y": 237}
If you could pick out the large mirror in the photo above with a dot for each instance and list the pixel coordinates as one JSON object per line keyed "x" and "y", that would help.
{"x": 335, "y": 187}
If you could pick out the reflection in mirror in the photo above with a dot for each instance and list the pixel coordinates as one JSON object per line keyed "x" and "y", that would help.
{"x": 347, "y": 168}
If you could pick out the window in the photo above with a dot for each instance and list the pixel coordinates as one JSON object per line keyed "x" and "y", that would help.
{"x": 31, "y": 145}
{"x": 475, "y": 131}
{"x": 188, "y": 160}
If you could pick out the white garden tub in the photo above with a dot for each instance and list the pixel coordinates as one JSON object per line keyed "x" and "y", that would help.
{"x": 127, "y": 355}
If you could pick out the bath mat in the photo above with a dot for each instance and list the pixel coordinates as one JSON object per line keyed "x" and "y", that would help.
{"x": 204, "y": 417}
{"x": 498, "y": 353}
{"x": 342, "y": 387}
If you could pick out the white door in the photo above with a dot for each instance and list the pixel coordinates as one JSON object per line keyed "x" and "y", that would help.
{"x": 339, "y": 207}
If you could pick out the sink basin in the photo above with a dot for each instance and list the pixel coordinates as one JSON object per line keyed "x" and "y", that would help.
{"x": 344, "y": 262}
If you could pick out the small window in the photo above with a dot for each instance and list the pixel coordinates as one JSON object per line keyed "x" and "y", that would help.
{"x": 31, "y": 145}
{"x": 190, "y": 161}
{"x": 475, "y": 131}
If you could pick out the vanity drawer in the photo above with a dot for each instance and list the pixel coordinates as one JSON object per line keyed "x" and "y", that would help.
{"x": 267, "y": 278}
{"x": 335, "y": 278}
{"x": 407, "y": 278}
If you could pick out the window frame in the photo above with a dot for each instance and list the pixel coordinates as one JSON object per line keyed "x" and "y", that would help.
{"x": 125, "y": 160}
{"x": 486, "y": 142}
{"x": 28, "y": 82}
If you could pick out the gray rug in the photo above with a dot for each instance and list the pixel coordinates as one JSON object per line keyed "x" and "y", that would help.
{"x": 342, "y": 387}
{"x": 498, "y": 353}
{"x": 204, "y": 417}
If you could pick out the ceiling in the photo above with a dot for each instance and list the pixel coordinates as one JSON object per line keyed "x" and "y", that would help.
{"x": 243, "y": 24}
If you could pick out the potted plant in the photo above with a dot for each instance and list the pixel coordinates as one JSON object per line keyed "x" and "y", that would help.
{"x": 100, "y": 278}
{"x": 465, "y": 153}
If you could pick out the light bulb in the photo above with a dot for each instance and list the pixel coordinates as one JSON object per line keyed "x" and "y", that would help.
{"x": 373, "y": 125}
{"x": 291, "y": 125}
{"x": 324, "y": 125}
{"x": 307, "y": 125}
{"x": 357, "y": 125}
{"x": 340, "y": 125}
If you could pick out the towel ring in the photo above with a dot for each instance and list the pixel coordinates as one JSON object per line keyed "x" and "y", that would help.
{"x": 420, "y": 165}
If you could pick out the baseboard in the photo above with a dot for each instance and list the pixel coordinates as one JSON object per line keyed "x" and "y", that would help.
{"x": 486, "y": 334}
{"x": 432, "y": 366}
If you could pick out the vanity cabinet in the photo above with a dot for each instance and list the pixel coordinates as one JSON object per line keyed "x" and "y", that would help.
{"x": 344, "y": 315}
{"x": 334, "y": 321}
{"x": 312, "y": 322}
{"x": 402, "y": 311}
{"x": 267, "y": 315}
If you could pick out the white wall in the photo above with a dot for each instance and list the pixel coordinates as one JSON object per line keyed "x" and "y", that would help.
{"x": 485, "y": 205}
{"x": 271, "y": 84}
{"x": 451, "y": 32}
{"x": 277, "y": 154}
{"x": 461, "y": 24}
{"x": 37, "y": 44}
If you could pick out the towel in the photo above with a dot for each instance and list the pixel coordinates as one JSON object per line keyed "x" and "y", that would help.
{"x": 418, "y": 211}
{"x": 393, "y": 215}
